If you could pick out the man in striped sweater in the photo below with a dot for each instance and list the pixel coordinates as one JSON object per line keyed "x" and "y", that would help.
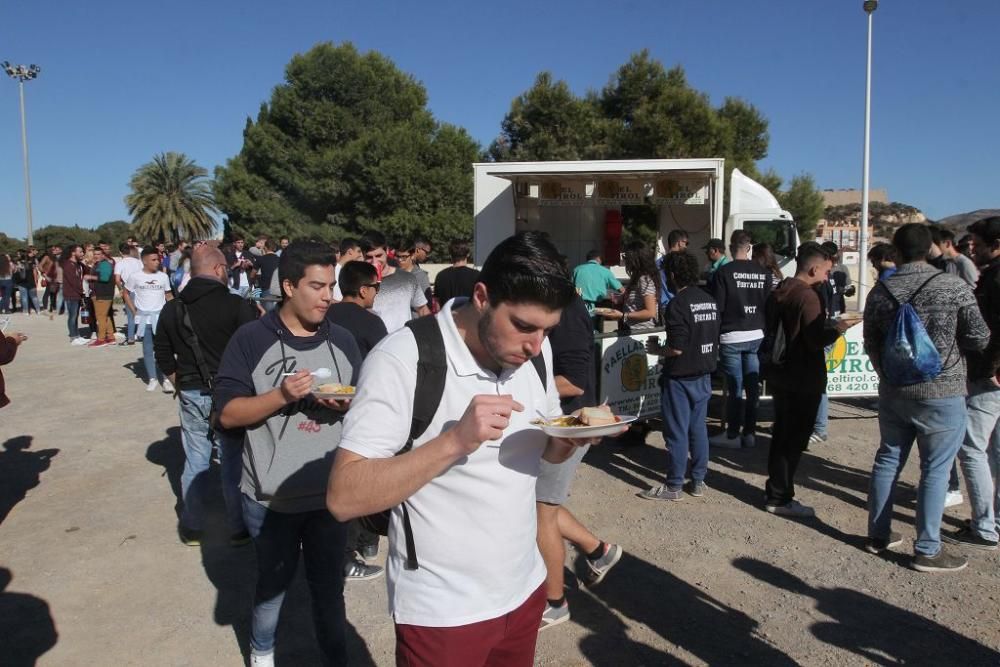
{"x": 932, "y": 412}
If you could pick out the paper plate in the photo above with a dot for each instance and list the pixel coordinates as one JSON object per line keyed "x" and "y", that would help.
{"x": 337, "y": 395}
{"x": 587, "y": 431}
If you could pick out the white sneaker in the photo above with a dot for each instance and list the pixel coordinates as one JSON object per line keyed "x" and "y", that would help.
{"x": 725, "y": 442}
{"x": 266, "y": 660}
{"x": 153, "y": 385}
{"x": 168, "y": 388}
{"x": 80, "y": 340}
{"x": 953, "y": 498}
{"x": 793, "y": 508}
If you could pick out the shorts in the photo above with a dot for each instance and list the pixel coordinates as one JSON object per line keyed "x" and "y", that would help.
{"x": 552, "y": 486}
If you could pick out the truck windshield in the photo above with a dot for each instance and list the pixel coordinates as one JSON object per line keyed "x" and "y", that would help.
{"x": 773, "y": 232}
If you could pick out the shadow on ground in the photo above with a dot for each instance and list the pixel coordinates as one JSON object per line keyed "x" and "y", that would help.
{"x": 20, "y": 471}
{"x": 683, "y": 615}
{"x": 28, "y": 628}
{"x": 878, "y": 632}
{"x": 232, "y": 570}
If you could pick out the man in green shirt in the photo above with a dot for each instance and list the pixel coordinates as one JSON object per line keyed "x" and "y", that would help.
{"x": 715, "y": 250}
{"x": 593, "y": 280}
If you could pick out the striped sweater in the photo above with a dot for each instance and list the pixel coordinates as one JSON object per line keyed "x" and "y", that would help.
{"x": 948, "y": 309}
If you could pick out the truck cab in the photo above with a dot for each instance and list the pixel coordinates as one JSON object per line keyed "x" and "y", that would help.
{"x": 754, "y": 209}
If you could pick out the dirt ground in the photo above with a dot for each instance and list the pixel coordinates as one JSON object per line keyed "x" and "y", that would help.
{"x": 92, "y": 572}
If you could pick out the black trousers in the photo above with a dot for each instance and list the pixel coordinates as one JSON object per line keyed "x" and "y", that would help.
{"x": 794, "y": 416}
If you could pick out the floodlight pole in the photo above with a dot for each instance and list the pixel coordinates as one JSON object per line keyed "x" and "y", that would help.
{"x": 24, "y": 73}
{"x": 869, "y": 6}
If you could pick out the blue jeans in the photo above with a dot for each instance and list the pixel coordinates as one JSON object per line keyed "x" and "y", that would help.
{"x": 938, "y": 426}
{"x": 149, "y": 357}
{"x": 741, "y": 366}
{"x": 196, "y": 438}
{"x": 73, "y": 317}
{"x": 822, "y": 417}
{"x": 6, "y": 289}
{"x": 278, "y": 538}
{"x": 684, "y": 404}
{"x": 29, "y": 299}
{"x": 981, "y": 435}
{"x": 129, "y": 321}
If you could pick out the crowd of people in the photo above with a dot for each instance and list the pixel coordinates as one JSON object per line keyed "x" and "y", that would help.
{"x": 454, "y": 372}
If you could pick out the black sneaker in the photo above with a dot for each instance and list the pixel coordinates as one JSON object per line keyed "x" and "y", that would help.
{"x": 239, "y": 539}
{"x": 369, "y": 551}
{"x": 942, "y": 562}
{"x": 695, "y": 489}
{"x": 358, "y": 570}
{"x": 190, "y": 538}
{"x": 967, "y": 537}
{"x": 877, "y": 545}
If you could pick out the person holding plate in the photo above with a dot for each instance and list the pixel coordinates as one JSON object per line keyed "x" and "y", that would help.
{"x": 291, "y": 437}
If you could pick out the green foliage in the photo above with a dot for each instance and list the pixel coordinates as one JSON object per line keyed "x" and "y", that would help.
{"x": 346, "y": 145}
{"x": 805, "y": 202}
{"x": 114, "y": 232}
{"x": 645, "y": 111}
{"x": 9, "y": 246}
{"x": 171, "y": 198}
{"x": 59, "y": 235}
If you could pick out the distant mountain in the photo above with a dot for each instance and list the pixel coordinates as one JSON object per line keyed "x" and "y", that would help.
{"x": 960, "y": 222}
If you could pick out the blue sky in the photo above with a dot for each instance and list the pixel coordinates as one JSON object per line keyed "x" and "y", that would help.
{"x": 122, "y": 81}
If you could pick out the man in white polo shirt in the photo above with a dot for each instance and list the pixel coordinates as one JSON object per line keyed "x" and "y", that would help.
{"x": 476, "y": 596}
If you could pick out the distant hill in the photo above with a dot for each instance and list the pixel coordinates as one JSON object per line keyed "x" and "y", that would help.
{"x": 960, "y": 223}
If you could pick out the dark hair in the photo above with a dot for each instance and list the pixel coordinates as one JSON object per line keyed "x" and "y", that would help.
{"x": 988, "y": 229}
{"x": 831, "y": 248}
{"x": 765, "y": 257}
{"x": 593, "y": 254}
{"x": 372, "y": 240}
{"x": 335, "y": 247}
{"x": 947, "y": 235}
{"x": 299, "y": 255}
{"x": 933, "y": 230}
{"x": 682, "y": 266}
{"x": 882, "y": 252}
{"x": 355, "y": 274}
{"x": 739, "y": 238}
{"x": 124, "y": 248}
{"x": 525, "y": 268}
{"x": 269, "y": 244}
{"x": 69, "y": 249}
{"x": 407, "y": 245}
{"x": 458, "y": 250}
{"x": 913, "y": 242}
{"x": 639, "y": 261}
{"x": 149, "y": 250}
{"x": 809, "y": 252}
{"x": 674, "y": 236}
{"x": 4, "y": 264}
{"x": 349, "y": 244}
{"x": 282, "y": 238}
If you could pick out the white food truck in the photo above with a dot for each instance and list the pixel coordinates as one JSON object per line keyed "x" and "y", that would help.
{"x": 583, "y": 204}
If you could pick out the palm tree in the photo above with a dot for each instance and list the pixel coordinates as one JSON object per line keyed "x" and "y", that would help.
{"x": 171, "y": 198}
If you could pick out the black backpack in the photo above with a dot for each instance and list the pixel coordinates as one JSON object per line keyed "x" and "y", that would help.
{"x": 432, "y": 370}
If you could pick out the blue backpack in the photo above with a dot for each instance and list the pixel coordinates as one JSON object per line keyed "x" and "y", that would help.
{"x": 908, "y": 354}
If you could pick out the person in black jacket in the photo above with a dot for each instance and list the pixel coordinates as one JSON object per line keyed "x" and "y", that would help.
{"x": 215, "y": 315}
{"x": 740, "y": 288}
{"x": 689, "y": 359}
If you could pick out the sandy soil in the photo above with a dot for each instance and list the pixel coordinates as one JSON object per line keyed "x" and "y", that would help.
{"x": 89, "y": 472}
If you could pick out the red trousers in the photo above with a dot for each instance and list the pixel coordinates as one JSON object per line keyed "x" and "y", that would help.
{"x": 506, "y": 641}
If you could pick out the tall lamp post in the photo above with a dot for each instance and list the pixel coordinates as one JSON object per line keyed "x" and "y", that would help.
{"x": 24, "y": 73}
{"x": 869, "y": 6}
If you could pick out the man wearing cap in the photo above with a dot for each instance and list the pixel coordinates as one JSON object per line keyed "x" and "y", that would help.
{"x": 715, "y": 250}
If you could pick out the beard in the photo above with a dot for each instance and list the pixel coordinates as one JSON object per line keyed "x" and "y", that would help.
{"x": 489, "y": 340}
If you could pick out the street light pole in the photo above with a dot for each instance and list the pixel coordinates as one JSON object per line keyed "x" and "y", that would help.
{"x": 24, "y": 73}
{"x": 869, "y": 6}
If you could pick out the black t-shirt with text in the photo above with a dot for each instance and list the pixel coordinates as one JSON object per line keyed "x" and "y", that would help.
{"x": 692, "y": 323}
{"x": 740, "y": 289}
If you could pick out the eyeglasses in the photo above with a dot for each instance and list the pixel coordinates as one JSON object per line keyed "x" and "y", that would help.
{"x": 403, "y": 255}
{"x": 374, "y": 286}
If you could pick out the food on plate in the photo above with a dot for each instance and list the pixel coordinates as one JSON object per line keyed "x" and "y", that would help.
{"x": 600, "y": 415}
{"x": 335, "y": 388}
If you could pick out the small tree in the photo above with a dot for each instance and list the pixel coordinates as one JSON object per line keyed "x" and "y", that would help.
{"x": 171, "y": 198}
{"x": 805, "y": 202}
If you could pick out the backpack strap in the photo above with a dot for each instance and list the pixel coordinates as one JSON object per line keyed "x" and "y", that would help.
{"x": 912, "y": 296}
{"x": 539, "y": 364}
{"x": 191, "y": 338}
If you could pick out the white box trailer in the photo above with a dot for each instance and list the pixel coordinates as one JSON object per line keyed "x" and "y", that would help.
{"x": 577, "y": 203}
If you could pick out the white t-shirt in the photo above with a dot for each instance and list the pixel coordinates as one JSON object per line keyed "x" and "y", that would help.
{"x": 149, "y": 290}
{"x": 474, "y": 525}
{"x": 398, "y": 297}
{"x": 337, "y": 294}
{"x": 126, "y": 266}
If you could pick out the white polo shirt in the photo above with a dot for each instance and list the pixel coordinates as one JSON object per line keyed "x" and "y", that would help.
{"x": 474, "y": 525}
